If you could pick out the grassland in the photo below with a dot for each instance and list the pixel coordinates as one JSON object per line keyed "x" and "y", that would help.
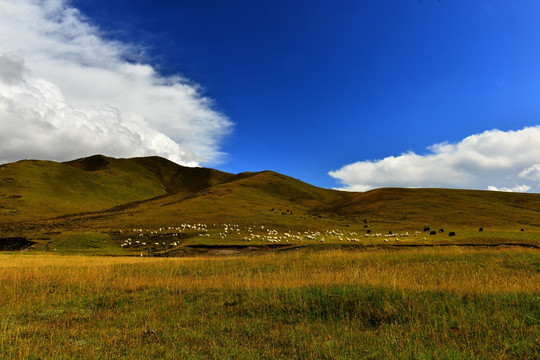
{"x": 143, "y": 258}
{"x": 443, "y": 303}
{"x": 103, "y": 194}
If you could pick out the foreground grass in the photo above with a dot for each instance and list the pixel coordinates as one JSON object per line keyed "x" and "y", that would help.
{"x": 425, "y": 303}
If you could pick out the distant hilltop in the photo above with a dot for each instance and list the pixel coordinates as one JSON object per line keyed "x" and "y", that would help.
{"x": 156, "y": 191}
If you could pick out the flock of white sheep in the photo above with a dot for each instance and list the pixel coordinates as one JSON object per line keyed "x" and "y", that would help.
{"x": 160, "y": 239}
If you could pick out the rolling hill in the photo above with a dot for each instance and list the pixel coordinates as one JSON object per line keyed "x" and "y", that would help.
{"x": 98, "y": 194}
{"x": 32, "y": 189}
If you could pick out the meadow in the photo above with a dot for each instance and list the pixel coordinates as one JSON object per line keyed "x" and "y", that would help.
{"x": 144, "y": 258}
{"x": 380, "y": 303}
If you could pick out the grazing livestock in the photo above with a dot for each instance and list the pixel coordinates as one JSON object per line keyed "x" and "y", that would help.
{"x": 481, "y": 229}
{"x": 231, "y": 230}
{"x": 451, "y": 233}
{"x": 426, "y": 228}
{"x": 432, "y": 232}
{"x": 441, "y": 230}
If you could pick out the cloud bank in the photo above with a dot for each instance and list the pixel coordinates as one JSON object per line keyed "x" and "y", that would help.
{"x": 493, "y": 160}
{"x": 67, "y": 92}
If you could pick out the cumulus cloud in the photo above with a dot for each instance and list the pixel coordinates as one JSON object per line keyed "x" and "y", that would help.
{"x": 517, "y": 188}
{"x": 493, "y": 160}
{"x": 66, "y": 91}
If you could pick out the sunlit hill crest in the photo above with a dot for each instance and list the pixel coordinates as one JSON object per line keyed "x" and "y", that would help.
{"x": 156, "y": 192}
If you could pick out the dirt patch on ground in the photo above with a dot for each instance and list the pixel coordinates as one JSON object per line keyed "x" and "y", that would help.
{"x": 223, "y": 250}
{"x": 231, "y": 250}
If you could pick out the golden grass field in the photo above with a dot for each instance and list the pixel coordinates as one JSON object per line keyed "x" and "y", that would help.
{"x": 443, "y": 303}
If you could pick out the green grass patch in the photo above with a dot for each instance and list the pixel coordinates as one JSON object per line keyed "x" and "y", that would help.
{"x": 312, "y": 322}
{"x": 83, "y": 243}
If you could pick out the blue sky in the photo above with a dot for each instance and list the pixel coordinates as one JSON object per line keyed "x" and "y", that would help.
{"x": 365, "y": 90}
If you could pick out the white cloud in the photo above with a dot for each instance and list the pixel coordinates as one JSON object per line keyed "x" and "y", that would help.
{"x": 517, "y": 188}
{"x": 531, "y": 173}
{"x": 494, "y": 160}
{"x": 66, "y": 92}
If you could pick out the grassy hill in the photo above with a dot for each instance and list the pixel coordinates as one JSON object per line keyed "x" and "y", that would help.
{"x": 421, "y": 207}
{"x": 283, "y": 202}
{"x": 248, "y": 198}
{"x": 86, "y": 202}
{"x": 32, "y": 189}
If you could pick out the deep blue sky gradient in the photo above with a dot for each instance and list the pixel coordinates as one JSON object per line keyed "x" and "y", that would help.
{"x": 315, "y": 85}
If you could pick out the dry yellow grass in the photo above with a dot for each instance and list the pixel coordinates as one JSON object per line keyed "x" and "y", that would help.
{"x": 432, "y": 269}
{"x": 415, "y": 303}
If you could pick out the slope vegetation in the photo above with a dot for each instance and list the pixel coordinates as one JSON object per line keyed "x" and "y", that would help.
{"x": 420, "y": 207}
{"x": 247, "y": 198}
{"x": 281, "y": 202}
{"x": 33, "y": 189}
{"x": 106, "y": 193}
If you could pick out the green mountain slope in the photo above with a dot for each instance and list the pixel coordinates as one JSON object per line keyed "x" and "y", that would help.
{"x": 33, "y": 189}
{"x": 104, "y": 193}
{"x": 276, "y": 200}
{"x": 420, "y": 207}
{"x": 264, "y": 198}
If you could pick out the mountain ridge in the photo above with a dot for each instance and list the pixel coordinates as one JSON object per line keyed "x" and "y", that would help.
{"x": 31, "y": 189}
{"x": 156, "y": 191}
